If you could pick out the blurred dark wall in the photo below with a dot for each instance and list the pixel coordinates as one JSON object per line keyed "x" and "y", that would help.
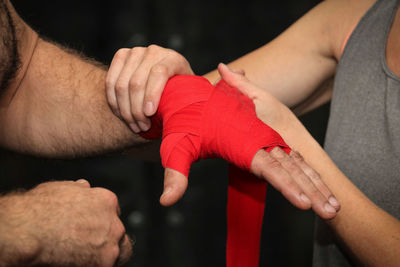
{"x": 191, "y": 233}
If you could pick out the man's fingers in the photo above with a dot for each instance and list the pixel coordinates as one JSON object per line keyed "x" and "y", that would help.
{"x": 175, "y": 184}
{"x": 83, "y": 183}
{"x": 270, "y": 169}
{"x": 139, "y": 85}
{"x": 125, "y": 251}
{"x": 113, "y": 73}
{"x": 158, "y": 78}
{"x": 122, "y": 86}
{"x": 136, "y": 79}
{"x": 172, "y": 64}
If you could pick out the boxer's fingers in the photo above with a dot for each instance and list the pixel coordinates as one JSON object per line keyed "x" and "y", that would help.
{"x": 239, "y": 71}
{"x": 270, "y": 169}
{"x": 225, "y": 75}
{"x": 236, "y": 78}
{"x": 175, "y": 184}
{"x": 316, "y": 179}
{"x": 320, "y": 203}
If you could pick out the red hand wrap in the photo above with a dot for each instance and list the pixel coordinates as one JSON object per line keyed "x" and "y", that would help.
{"x": 202, "y": 121}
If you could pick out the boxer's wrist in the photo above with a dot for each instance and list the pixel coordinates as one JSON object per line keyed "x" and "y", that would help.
{"x": 18, "y": 245}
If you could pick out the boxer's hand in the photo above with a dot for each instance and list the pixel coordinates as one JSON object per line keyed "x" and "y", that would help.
{"x": 66, "y": 224}
{"x": 289, "y": 174}
{"x": 136, "y": 79}
{"x": 301, "y": 175}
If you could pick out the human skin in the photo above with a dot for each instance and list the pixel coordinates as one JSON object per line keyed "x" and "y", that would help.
{"x": 74, "y": 119}
{"x": 295, "y": 69}
{"x": 295, "y": 72}
{"x": 58, "y": 223}
{"x": 55, "y": 106}
{"x": 376, "y": 239}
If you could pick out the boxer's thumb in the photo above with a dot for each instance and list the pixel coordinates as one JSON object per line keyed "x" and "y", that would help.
{"x": 175, "y": 184}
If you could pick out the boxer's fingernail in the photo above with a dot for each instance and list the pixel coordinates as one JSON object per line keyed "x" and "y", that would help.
{"x": 148, "y": 108}
{"x": 333, "y": 201}
{"x": 305, "y": 198}
{"x": 134, "y": 127}
{"x": 143, "y": 126}
{"x": 328, "y": 208}
{"x": 167, "y": 190}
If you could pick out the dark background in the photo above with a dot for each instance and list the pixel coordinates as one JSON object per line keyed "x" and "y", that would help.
{"x": 193, "y": 232}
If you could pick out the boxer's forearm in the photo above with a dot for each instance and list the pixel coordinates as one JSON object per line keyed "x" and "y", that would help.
{"x": 56, "y": 105}
{"x": 371, "y": 234}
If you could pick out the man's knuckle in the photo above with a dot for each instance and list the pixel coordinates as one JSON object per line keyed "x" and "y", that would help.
{"x": 137, "y": 113}
{"x": 153, "y": 48}
{"x": 120, "y": 88}
{"x": 109, "y": 197}
{"x": 135, "y": 84}
{"x": 111, "y": 102}
{"x": 126, "y": 115}
{"x": 121, "y": 230}
{"x": 159, "y": 69}
{"x": 109, "y": 83}
{"x": 176, "y": 56}
{"x": 121, "y": 53}
{"x": 137, "y": 50}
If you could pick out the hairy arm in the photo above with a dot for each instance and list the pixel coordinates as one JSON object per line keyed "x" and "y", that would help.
{"x": 297, "y": 67}
{"x": 55, "y": 104}
{"x": 64, "y": 223}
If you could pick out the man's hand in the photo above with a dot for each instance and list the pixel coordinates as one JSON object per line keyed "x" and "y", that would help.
{"x": 63, "y": 224}
{"x": 136, "y": 79}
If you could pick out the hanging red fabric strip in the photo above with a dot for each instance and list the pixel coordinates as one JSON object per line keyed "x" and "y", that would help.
{"x": 245, "y": 211}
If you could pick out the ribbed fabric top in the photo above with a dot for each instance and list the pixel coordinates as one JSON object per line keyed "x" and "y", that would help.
{"x": 363, "y": 135}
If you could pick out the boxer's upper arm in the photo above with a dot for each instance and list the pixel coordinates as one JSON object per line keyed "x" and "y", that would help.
{"x": 294, "y": 65}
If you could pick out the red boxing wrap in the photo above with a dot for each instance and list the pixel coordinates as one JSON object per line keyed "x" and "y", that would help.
{"x": 198, "y": 120}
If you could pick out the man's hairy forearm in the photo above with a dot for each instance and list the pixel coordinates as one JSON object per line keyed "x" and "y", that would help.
{"x": 56, "y": 105}
{"x": 60, "y": 108}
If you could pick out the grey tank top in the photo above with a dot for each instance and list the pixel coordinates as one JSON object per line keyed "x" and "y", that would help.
{"x": 363, "y": 135}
